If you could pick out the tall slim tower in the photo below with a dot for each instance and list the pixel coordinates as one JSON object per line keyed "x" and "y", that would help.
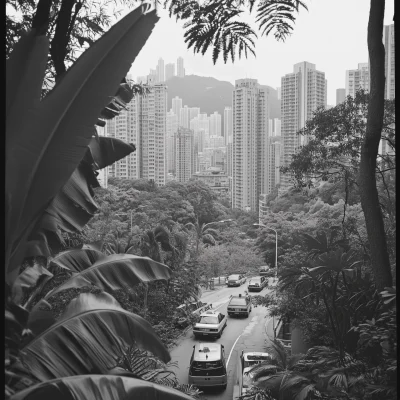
{"x": 227, "y": 124}
{"x": 160, "y": 71}
{"x": 184, "y": 157}
{"x": 172, "y": 129}
{"x": 357, "y": 79}
{"x": 180, "y": 70}
{"x": 250, "y": 144}
{"x": 388, "y": 42}
{"x": 184, "y": 119}
{"x": 169, "y": 71}
{"x": 176, "y": 107}
{"x": 215, "y": 124}
{"x": 302, "y": 92}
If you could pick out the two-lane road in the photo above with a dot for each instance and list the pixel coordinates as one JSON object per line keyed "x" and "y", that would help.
{"x": 240, "y": 334}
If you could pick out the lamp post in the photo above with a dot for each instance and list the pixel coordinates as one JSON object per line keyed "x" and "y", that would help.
{"x": 276, "y": 247}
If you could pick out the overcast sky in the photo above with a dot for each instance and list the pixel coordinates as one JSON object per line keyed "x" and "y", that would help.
{"x": 332, "y": 34}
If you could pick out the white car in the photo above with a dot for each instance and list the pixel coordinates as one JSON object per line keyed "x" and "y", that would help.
{"x": 211, "y": 324}
{"x": 248, "y": 360}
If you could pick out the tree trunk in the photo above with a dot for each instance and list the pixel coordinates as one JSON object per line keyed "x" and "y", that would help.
{"x": 369, "y": 150}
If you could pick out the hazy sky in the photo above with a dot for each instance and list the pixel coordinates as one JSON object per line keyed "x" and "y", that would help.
{"x": 332, "y": 35}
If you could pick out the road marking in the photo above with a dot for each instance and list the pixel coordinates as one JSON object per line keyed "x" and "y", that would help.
{"x": 234, "y": 344}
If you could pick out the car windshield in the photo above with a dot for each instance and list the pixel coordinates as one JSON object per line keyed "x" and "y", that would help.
{"x": 208, "y": 320}
{"x": 238, "y": 302}
{"x": 255, "y": 280}
{"x": 234, "y": 277}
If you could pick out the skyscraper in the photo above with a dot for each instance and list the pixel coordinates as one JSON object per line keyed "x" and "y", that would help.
{"x": 357, "y": 79}
{"x": 160, "y": 71}
{"x": 388, "y": 42}
{"x": 184, "y": 119}
{"x": 201, "y": 129}
{"x": 172, "y": 129}
{"x": 180, "y": 70}
{"x": 215, "y": 124}
{"x": 144, "y": 125}
{"x": 176, "y": 107}
{"x": 184, "y": 157}
{"x": 340, "y": 96}
{"x": 227, "y": 123}
{"x": 169, "y": 71}
{"x": 250, "y": 144}
{"x": 302, "y": 92}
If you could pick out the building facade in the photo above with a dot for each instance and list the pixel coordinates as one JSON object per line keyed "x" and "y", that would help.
{"x": 144, "y": 125}
{"x": 169, "y": 71}
{"x": 357, "y": 79}
{"x": 184, "y": 154}
{"x": 302, "y": 92}
{"x": 388, "y": 42}
{"x": 180, "y": 70}
{"x": 249, "y": 143}
{"x": 215, "y": 124}
{"x": 340, "y": 95}
{"x": 172, "y": 129}
{"x": 176, "y": 107}
{"x": 228, "y": 124}
{"x": 160, "y": 71}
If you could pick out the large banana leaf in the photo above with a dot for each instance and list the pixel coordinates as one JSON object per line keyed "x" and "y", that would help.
{"x": 77, "y": 260}
{"x": 46, "y": 140}
{"x": 111, "y": 273}
{"x": 91, "y": 335}
{"x": 99, "y": 387}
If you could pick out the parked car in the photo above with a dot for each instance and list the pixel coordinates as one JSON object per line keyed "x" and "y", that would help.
{"x": 257, "y": 283}
{"x": 208, "y": 365}
{"x": 182, "y": 314}
{"x": 240, "y": 305}
{"x": 247, "y": 362}
{"x": 267, "y": 272}
{"x": 211, "y": 324}
{"x": 236, "y": 280}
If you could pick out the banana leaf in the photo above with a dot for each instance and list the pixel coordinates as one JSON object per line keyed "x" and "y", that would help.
{"x": 90, "y": 336}
{"x": 77, "y": 260}
{"x": 111, "y": 273}
{"x": 46, "y": 140}
{"x": 99, "y": 387}
{"x": 118, "y": 271}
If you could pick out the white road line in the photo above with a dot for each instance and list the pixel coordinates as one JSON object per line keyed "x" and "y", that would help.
{"x": 227, "y": 363}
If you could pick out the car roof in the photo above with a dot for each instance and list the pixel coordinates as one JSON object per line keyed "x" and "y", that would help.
{"x": 234, "y": 275}
{"x": 255, "y": 353}
{"x": 209, "y": 313}
{"x": 207, "y": 352}
{"x": 255, "y": 277}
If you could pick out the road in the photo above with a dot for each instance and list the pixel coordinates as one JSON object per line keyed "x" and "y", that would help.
{"x": 240, "y": 334}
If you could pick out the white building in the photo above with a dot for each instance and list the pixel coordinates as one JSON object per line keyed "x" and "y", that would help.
{"x": 144, "y": 125}
{"x": 172, "y": 129}
{"x": 357, "y": 79}
{"x": 302, "y": 92}
{"x": 250, "y": 144}
{"x": 340, "y": 95}
{"x": 184, "y": 155}
{"x": 274, "y": 127}
{"x": 160, "y": 71}
{"x": 228, "y": 124}
{"x": 169, "y": 71}
{"x": 388, "y": 42}
{"x": 201, "y": 129}
{"x": 180, "y": 70}
{"x": 184, "y": 119}
{"x": 176, "y": 107}
{"x": 216, "y": 141}
{"x": 215, "y": 124}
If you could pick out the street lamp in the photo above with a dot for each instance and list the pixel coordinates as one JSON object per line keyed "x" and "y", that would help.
{"x": 217, "y": 222}
{"x": 276, "y": 247}
{"x": 131, "y": 213}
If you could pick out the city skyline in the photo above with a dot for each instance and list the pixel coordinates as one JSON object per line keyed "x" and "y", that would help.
{"x": 316, "y": 39}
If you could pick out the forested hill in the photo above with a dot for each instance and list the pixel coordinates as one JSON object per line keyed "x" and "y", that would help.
{"x": 210, "y": 94}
